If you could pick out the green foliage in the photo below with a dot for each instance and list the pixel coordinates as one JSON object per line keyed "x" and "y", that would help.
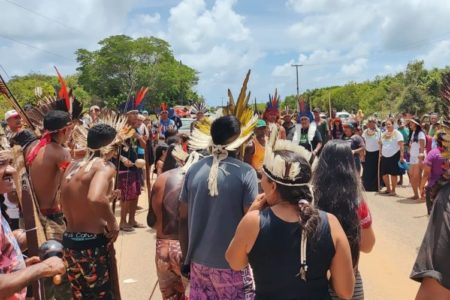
{"x": 24, "y": 89}
{"x": 122, "y": 65}
{"x": 415, "y": 90}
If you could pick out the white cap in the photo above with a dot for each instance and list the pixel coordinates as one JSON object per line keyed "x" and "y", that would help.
{"x": 10, "y": 114}
{"x": 94, "y": 107}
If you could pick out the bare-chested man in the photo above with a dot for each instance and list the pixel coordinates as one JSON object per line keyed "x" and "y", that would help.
{"x": 46, "y": 160}
{"x": 86, "y": 191}
{"x": 165, "y": 201}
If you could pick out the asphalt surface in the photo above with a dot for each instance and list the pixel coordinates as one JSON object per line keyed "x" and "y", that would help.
{"x": 399, "y": 226}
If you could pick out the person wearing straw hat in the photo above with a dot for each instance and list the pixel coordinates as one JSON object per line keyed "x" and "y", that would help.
{"x": 289, "y": 244}
{"x": 416, "y": 142}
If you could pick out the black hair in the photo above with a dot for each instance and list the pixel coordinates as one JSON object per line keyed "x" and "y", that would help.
{"x": 100, "y": 135}
{"x": 224, "y": 129}
{"x": 416, "y": 132}
{"x": 4, "y": 208}
{"x": 170, "y": 162}
{"x": 159, "y": 151}
{"x": 171, "y": 132}
{"x": 56, "y": 119}
{"x": 173, "y": 140}
{"x": 440, "y": 138}
{"x": 337, "y": 190}
{"x": 309, "y": 215}
{"x": 24, "y": 138}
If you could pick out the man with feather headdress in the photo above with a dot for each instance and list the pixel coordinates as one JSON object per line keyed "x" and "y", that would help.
{"x": 432, "y": 266}
{"x": 272, "y": 114}
{"x": 129, "y": 180}
{"x": 199, "y": 109}
{"x": 217, "y": 191}
{"x": 306, "y": 133}
{"x": 46, "y": 160}
{"x": 86, "y": 192}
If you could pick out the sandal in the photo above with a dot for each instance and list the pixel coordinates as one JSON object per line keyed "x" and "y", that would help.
{"x": 392, "y": 194}
{"x": 126, "y": 228}
{"x": 138, "y": 225}
{"x": 384, "y": 192}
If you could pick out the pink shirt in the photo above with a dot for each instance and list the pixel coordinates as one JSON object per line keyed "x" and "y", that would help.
{"x": 11, "y": 259}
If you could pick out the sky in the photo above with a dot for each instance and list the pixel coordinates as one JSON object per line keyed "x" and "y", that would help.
{"x": 337, "y": 41}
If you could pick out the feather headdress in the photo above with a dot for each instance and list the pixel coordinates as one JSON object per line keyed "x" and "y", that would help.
{"x": 199, "y": 107}
{"x": 304, "y": 110}
{"x": 273, "y": 104}
{"x": 164, "y": 107}
{"x": 201, "y": 135}
{"x": 49, "y": 103}
{"x": 80, "y": 134}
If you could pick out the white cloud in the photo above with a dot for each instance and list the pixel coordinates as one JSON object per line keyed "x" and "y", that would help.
{"x": 438, "y": 56}
{"x": 355, "y": 68}
{"x": 148, "y": 19}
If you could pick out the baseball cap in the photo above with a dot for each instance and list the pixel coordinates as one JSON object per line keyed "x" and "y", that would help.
{"x": 261, "y": 123}
{"x": 94, "y": 107}
{"x": 10, "y": 114}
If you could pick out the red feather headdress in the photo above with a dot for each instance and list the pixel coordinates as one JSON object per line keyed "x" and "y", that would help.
{"x": 140, "y": 96}
{"x": 63, "y": 92}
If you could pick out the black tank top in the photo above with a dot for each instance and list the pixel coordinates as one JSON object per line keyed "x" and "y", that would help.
{"x": 275, "y": 260}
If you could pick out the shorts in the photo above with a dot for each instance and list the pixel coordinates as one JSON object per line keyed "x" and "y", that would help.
{"x": 88, "y": 265}
{"x": 413, "y": 160}
{"x": 168, "y": 260}
{"x": 129, "y": 185}
{"x": 54, "y": 225}
{"x": 213, "y": 283}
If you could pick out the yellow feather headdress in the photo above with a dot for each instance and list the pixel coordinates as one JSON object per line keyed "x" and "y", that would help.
{"x": 201, "y": 136}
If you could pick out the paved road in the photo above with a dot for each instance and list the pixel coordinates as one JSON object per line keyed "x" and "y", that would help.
{"x": 399, "y": 226}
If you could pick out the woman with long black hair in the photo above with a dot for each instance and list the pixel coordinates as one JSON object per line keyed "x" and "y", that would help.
{"x": 337, "y": 190}
{"x": 289, "y": 244}
{"x": 417, "y": 140}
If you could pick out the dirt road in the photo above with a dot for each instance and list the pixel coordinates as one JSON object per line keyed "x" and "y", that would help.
{"x": 399, "y": 226}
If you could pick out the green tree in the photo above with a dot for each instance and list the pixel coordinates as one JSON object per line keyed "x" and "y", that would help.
{"x": 122, "y": 65}
{"x": 29, "y": 88}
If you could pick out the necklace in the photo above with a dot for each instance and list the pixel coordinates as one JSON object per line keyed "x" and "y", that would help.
{"x": 388, "y": 135}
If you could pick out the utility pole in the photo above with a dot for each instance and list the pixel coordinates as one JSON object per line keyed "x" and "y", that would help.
{"x": 296, "y": 70}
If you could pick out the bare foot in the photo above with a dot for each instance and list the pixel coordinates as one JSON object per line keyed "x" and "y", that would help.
{"x": 413, "y": 198}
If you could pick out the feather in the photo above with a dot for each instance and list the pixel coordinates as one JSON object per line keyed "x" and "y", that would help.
{"x": 63, "y": 92}
{"x": 140, "y": 96}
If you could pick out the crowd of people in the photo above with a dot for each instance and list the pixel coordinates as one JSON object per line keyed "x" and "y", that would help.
{"x": 246, "y": 206}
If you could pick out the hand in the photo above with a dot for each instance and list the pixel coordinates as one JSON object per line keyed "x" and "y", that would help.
{"x": 112, "y": 231}
{"x": 128, "y": 163}
{"x": 53, "y": 266}
{"x": 259, "y": 203}
{"x": 116, "y": 194}
{"x": 21, "y": 238}
{"x": 136, "y": 135}
{"x": 32, "y": 261}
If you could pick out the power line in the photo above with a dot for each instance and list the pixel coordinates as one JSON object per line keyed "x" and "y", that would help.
{"x": 41, "y": 15}
{"x": 34, "y": 47}
{"x": 6, "y": 73}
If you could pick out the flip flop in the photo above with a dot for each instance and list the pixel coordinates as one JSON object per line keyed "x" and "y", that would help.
{"x": 138, "y": 225}
{"x": 384, "y": 192}
{"x": 126, "y": 228}
{"x": 392, "y": 194}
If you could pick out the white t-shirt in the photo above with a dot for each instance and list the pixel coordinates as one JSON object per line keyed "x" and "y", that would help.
{"x": 390, "y": 145}
{"x": 415, "y": 146}
{"x": 12, "y": 209}
{"x": 372, "y": 140}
